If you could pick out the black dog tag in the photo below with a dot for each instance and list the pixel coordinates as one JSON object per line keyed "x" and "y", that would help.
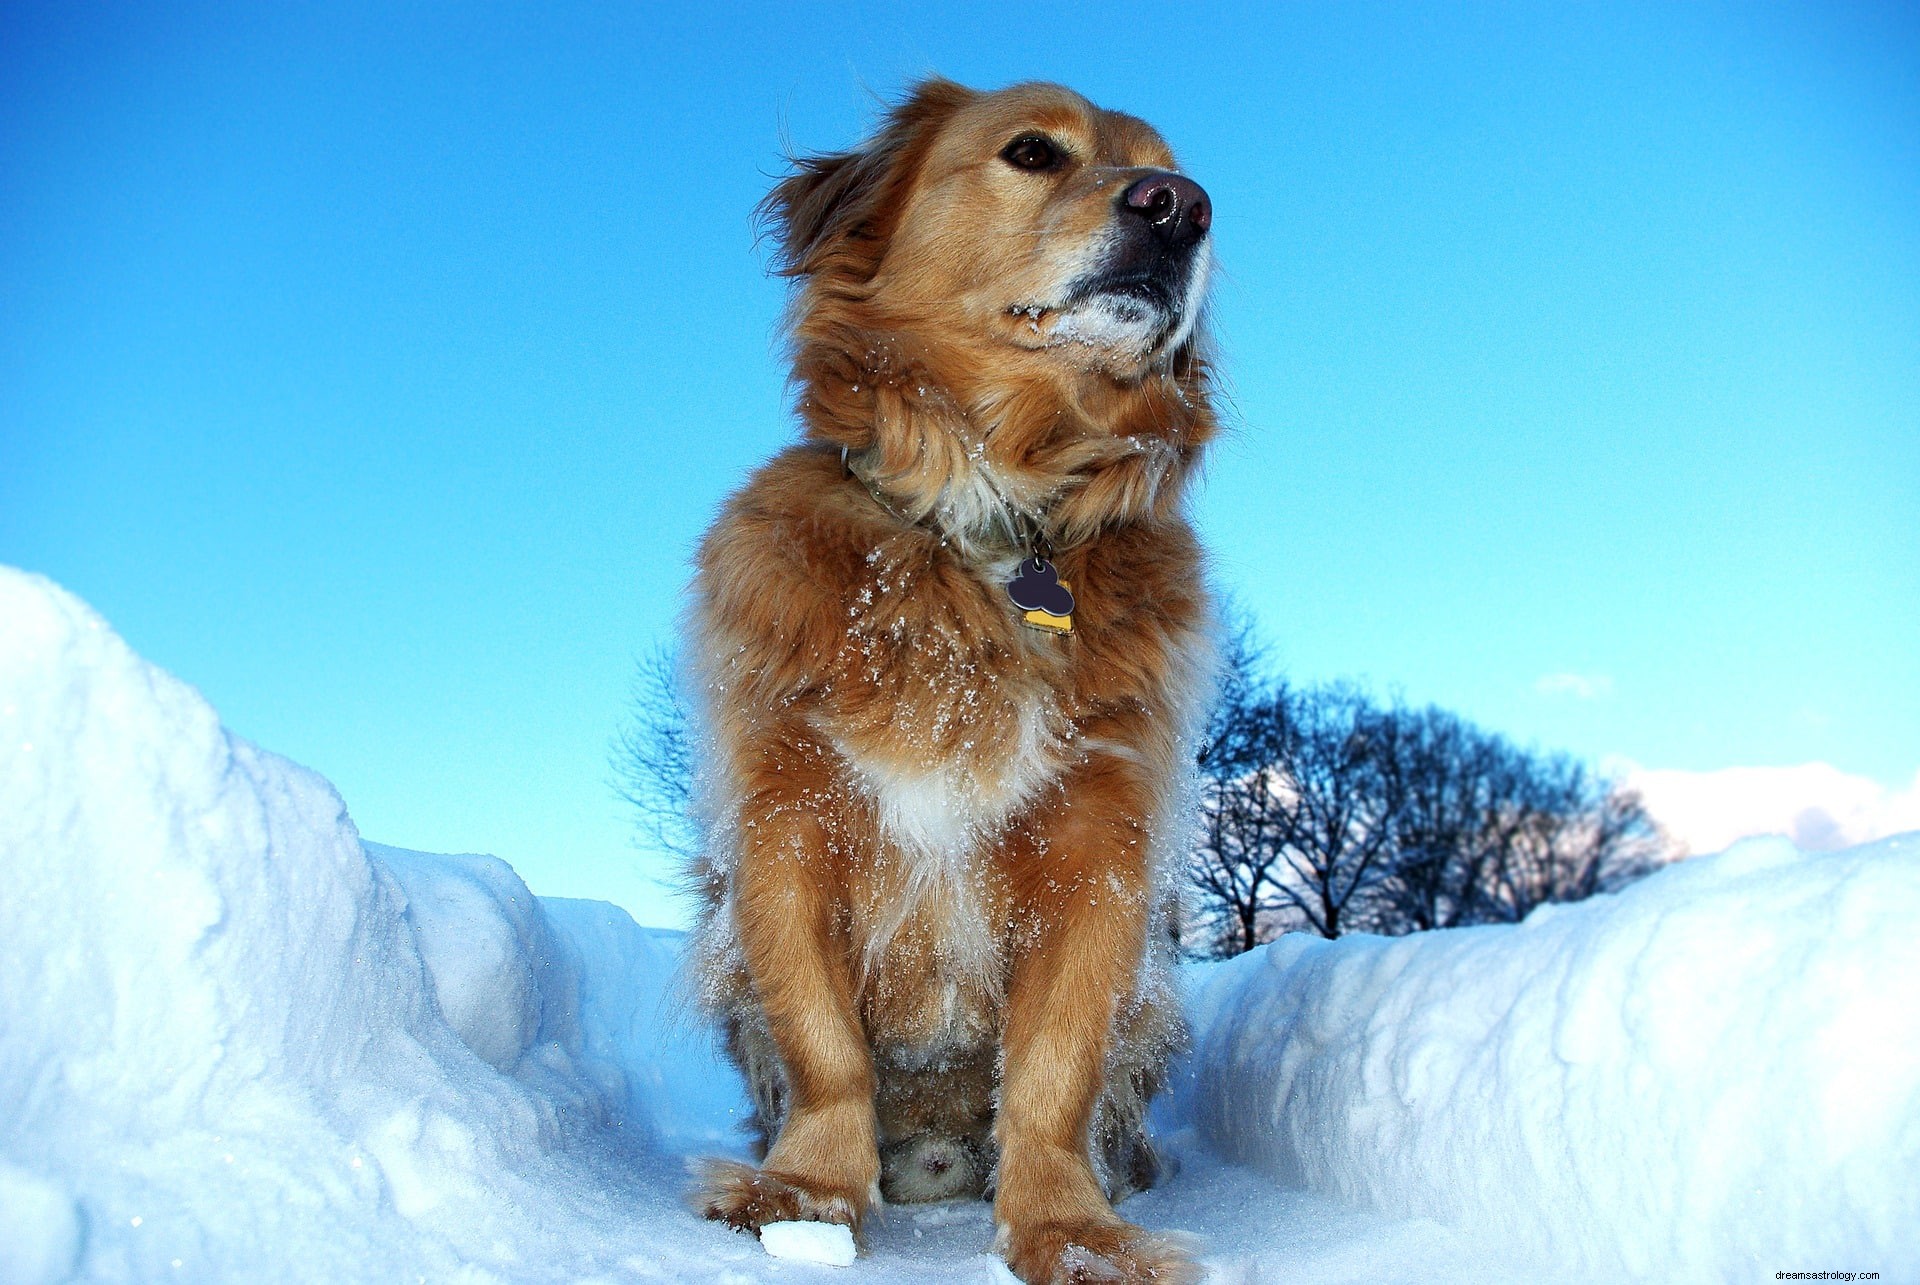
{"x": 1045, "y": 600}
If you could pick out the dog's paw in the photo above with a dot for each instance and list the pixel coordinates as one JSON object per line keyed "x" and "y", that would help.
{"x": 1095, "y": 1253}
{"x": 747, "y": 1199}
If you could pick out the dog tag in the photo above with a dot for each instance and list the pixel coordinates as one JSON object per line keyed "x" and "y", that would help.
{"x": 1044, "y": 599}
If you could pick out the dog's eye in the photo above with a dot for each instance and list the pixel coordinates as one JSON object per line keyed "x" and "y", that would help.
{"x": 1031, "y": 152}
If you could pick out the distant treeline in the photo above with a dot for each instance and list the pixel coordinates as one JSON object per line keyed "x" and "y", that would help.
{"x": 1320, "y": 810}
{"x": 1325, "y": 811}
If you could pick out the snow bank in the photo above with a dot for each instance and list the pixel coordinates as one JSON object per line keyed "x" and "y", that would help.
{"x": 555, "y": 992}
{"x": 1713, "y": 1075}
{"x": 234, "y": 1045}
{"x": 639, "y": 1032}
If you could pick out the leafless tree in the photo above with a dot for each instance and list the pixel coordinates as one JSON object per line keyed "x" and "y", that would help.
{"x": 1568, "y": 834}
{"x": 1338, "y": 802}
{"x": 1446, "y": 775}
{"x": 1319, "y": 810}
{"x": 1237, "y": 865}
{"x": 1293, "y": 809}
{"x": 652, "y": 757}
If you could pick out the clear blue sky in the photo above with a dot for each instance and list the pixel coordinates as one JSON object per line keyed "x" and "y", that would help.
{"x": 375, "y": 368}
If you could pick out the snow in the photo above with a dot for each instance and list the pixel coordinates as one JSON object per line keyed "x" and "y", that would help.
{"x": 1713, "y": 1074}
{"x": 239, "y": 1043}
{"x": 40, "y": 1232}
{"x": 827, "y": 1243}
{"x": 223, "y": 1044}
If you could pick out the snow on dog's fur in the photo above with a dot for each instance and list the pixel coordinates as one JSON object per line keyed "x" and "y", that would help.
{"x": 941, "y": 844}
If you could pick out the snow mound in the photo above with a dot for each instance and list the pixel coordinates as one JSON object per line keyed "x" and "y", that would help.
{"x": 235, "y": 1043}
{"x": 1714, "y": 1074}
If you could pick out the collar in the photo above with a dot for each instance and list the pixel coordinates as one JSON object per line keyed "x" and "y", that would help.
{"x": 1025, "y": 534}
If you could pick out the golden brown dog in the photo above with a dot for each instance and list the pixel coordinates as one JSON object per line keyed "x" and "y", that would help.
{"x": 952, "y": 651}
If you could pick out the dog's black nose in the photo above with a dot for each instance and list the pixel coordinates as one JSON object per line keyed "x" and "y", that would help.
{"x": 1174, "y": 205}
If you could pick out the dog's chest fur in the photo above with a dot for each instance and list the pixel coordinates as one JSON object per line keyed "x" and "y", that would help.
{"x": 951, "y": 724}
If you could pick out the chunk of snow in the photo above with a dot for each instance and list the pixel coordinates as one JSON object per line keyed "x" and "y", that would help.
{"x": 809, "y": 1242}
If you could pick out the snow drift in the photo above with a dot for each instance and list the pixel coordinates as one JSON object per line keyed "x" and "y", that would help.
{"x": 238, "y": 1043}
{"x": 235, "y": 1045}
{"x": 1714, "y": 1074}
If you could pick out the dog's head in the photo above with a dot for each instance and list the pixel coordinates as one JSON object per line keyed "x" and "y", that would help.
{"x": 1000, "y": 302}
{"x": 1027, "y": 216}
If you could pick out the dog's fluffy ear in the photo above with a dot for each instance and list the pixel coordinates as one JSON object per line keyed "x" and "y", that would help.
{"x": 840, "y": 205}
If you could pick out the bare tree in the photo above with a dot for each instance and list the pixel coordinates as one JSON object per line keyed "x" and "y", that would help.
{"x": 1568, "y": 834}
{"x": 1338, "y": 801}
{"x": 652, "y": 757}
{"x": 1627, "y": 843}
{"x": 1236, "y": 865}
{"x": 1446, "y": 773}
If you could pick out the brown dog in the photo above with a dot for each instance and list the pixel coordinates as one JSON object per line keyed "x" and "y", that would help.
{"x": 952, "y": 652}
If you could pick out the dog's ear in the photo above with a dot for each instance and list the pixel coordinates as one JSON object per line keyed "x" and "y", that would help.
{"x": 842, "y": 203}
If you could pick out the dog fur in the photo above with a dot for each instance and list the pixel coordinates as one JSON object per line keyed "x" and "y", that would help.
{"x": 941, "y": 847}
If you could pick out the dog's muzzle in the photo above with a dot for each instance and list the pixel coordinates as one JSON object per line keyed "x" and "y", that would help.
{"x": 1151, "y": 275}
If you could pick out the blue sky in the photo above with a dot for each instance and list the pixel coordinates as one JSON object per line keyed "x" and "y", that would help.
{"x": 376, "y": 368}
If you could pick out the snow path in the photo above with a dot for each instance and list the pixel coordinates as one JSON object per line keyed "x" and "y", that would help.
{"x": 1245, "y": 1230}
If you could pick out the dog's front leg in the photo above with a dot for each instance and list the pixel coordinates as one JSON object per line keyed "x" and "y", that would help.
{"x": 824, "y": 1165}
{"x": 1080, "y": 881}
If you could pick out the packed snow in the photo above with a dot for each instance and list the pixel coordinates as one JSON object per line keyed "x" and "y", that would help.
{"x": 239, "y": 1043}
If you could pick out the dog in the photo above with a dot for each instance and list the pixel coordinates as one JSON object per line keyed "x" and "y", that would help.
{"x": 950, "y": 655}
